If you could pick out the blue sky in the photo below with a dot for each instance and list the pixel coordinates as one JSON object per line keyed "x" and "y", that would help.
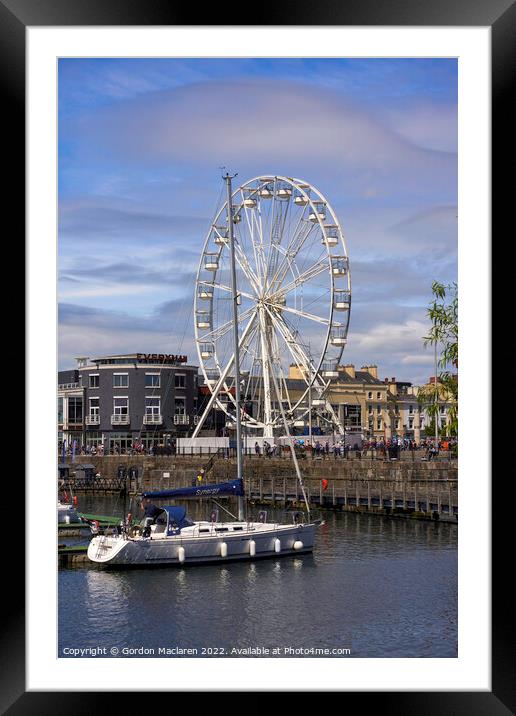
{"x": 141, "y": 143}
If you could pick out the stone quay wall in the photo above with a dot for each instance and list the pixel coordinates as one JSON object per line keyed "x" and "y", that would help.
{"x": 164, "y": 472}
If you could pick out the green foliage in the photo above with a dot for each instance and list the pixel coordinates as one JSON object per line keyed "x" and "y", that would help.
{"x": 443, "y": 313}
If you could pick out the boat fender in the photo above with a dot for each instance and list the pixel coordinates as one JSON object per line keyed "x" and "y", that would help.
{"x": 277, "y": 545}
{"x": 223, "y": 549}
{"x": 252, "y": 547}
{"x": 181, "y": 554}
{"x": 298, "y": 544}
{"x": 75, "y": 500}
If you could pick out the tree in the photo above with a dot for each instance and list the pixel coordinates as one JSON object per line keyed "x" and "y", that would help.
{"x": 443, "y": 313}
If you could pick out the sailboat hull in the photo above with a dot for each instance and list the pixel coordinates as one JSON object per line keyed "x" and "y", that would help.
{"x": 256, "y": 542}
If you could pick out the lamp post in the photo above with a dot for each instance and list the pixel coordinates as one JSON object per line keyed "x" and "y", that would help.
{"x": 344, "y": 426}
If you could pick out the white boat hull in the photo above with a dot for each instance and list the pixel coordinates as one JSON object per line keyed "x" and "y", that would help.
{"x": 66, "y": 514}
{"x": 194, "y": 545}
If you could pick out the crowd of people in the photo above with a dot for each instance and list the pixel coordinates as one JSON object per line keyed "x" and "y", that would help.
{"x": 388, "y": 448}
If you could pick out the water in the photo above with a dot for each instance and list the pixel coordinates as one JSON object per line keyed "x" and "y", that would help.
{"x": 379, "y": 587}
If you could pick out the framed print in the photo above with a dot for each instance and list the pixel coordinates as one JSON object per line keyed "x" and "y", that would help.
{"x": 131, "y": 115}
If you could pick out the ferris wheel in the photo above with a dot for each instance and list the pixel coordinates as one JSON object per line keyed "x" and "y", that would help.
{"x": 294, "y": 301}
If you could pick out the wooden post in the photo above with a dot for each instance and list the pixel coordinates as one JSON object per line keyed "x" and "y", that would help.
{"x": 333, "y": 492}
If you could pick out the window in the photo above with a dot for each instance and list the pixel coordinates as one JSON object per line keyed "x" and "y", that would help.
{"x": 120, "y": 380}
{"x": 152, "y": 380}
{"x": 370, "y": 409}
{"x": 180, "y": 406}
{"x": 378, "y": 409}
{"x": 411, "y": 423}
{"x": 120, "y": 442}
{"x": 379, "y": 424}
{"x": 120, "y": 406}
{"x": 397, "y": 423}
{"x": 180, "y": 380}
{"x": 152, "y": 406}
{"x": 442, "y": 410}
{"x": 411, "y": 409}
{"x": 74, "y": 410}
{"x": 60, "y": 410}
{"x": 94, "y": 406}
{"x": 94, "y": 380}
{"x": 370, "y": 396}
{"x": 378, "y": 396}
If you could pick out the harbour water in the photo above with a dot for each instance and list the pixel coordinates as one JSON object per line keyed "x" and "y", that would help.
{"x": 374, "y": 587}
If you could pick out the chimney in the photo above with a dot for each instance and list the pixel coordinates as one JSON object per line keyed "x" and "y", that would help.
{"x": 294, "y": 372}
{"x": 350, "y": 370}
{"x": 371, "y": 369}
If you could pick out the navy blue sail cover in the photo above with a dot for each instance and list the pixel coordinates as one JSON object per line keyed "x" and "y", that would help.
{"x": 233, "y": 487}
{"x": 178, "y": 516}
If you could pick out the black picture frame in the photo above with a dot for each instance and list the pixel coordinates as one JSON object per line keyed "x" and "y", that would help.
{"x": 500, "y": 16}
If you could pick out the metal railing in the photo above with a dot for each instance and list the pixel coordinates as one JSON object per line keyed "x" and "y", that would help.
{"x": 152, "y": 419}
{"x": 92, "y": 420}
{"x": 120, "y": 419}
{"x": 181, "y": 419}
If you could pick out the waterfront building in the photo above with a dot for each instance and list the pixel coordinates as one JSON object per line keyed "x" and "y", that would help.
{"x": 444, "y": 406}
{"x": 119, "y": 400}
{"x": 358, "y": 398}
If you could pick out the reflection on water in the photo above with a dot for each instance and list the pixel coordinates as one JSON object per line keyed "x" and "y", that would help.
{"x": 381, "y": 587}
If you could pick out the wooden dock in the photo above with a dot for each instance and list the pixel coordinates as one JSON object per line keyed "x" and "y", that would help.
{"x": 425, "y": 499}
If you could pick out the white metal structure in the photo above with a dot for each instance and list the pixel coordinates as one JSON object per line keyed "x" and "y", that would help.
{"x": 294, "y": 289}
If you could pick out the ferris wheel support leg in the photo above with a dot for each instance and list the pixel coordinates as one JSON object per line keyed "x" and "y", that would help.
{"x": 222, "y": 378}
{"x": 291, "y": 444}
{"x": 268, "y": 431}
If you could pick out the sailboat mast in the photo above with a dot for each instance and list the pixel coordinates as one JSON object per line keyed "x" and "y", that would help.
{"x": 227, "y": 179}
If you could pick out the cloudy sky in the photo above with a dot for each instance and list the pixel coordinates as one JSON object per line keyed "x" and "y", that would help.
{"x": 141, "y": 143}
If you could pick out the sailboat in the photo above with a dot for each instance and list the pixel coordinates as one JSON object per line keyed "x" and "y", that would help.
{"x": 174, "y": 539}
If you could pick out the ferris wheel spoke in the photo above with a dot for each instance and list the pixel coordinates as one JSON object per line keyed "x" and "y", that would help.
{"x": 297, "y": 352}
{"x": 220, "y": 331}
{"x": 303, "y": 314}
{"x": 307, "y": 275}
{"x": 246, "y": 269}
{"x": 299, "y": 238}
{"x": 277, "y": 233}
{"x": 221, "y": 286}
{"x": 249, "y": 222}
